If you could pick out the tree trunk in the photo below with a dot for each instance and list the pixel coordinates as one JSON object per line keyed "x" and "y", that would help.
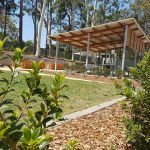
{"x": 87, "y": 14}
{"x": 49, "y": 33}
{"x": 40, "y": 29}
{"x": 35, "y": 27}
{"x": 93, "y": 22}
{"x": 20, "y": 23}
{"x": 5, "y": 19}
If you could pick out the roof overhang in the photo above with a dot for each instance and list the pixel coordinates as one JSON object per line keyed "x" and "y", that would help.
{"x": 106, "y": 37}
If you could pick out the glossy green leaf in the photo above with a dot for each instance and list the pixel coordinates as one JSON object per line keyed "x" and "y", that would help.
{"x": 27, "y": 134}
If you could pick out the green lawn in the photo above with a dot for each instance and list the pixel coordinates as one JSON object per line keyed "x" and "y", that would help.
{"x": 82, "y": 94}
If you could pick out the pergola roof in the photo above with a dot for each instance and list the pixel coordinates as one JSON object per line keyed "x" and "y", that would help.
{"x": 107, "y": 36}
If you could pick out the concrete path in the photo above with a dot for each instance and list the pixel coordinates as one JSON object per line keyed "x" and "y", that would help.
{"x": 89, "y": 110}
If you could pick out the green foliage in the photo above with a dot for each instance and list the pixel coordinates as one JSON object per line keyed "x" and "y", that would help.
{"x": 72, "y": 144}
{"x": 126, "y": 88}
{"x": 139, "y": 104}
{"x": 119, "y": 73}
{"x": 32, "y": 139}
{"x": 21, "y": 126}
{"x": 75, "y": 67}
{"x": 101, "y": 71}
{"x": 113, "y": 148}
{"x": 97, "y": 71}
{"x": 2, "y": 42}
{"x": 133, "y": 130}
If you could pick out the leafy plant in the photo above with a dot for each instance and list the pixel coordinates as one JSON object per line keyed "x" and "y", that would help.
{"x": 10, "y": 131}
{"x": 72, "y": 144}
{"x": 106, "y": 72}
{"x": 32, "y": 139}
{"x": 139, "y": 105}
{"x": 119, "y": 73}
{"x": 23, "y": 127}
{"x": 2, "y": 42}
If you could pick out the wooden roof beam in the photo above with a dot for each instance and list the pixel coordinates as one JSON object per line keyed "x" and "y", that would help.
{"x": 109, "y": 49}
{"x": 113, "y": 32}
{"x": 107, "y": 43}
{"x": 85, "y": 34}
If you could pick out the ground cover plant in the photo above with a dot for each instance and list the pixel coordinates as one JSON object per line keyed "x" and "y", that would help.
{"x": 138, "y": 124}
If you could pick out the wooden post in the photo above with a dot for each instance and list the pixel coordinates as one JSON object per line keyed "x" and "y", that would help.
{"x": 56, "y": 56}
{"x": 80, "y": 56}
{"x": 124, "y": 47}
{"x": 88, "y": 48}
{"x": 73, "y": 53}
{"x": 135, "y": 58}
{"x": 99, "y": 59}
{"x": 105, "y": 58}
{"x": 95, "y": 59}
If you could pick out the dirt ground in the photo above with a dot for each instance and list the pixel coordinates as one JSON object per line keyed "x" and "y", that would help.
{"x": 101, "y": 130}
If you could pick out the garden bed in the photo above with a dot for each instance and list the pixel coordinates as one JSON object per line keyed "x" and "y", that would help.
{"x": 101, "y": 130}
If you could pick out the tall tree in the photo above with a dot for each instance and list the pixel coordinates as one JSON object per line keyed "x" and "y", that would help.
{"x": 21, "y": 24}
{"x": 37, "y": 54}
{"x": 7, "y": 8}
{"x": 12, "y": 29}
{"x": 48, "y": 24}
{"x": 87, "y": 12}
{"x": 141, "y": 11}
{"x": 93, "y": 21}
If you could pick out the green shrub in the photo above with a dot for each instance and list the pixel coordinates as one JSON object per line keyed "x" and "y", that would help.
{"x": 138, "y": 126}
{"x": 106, "y": 72}
{"x": 75, "y": 67}
{"x": 72, "y": 144}
{"x": 22, "y": 126}
{"x": 2, "y": 42}
{"x": 97, "y": 71}
{"x": 119, "y": 73}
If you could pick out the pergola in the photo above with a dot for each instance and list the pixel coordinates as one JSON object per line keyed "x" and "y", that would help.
{"x": 106, "y": 37}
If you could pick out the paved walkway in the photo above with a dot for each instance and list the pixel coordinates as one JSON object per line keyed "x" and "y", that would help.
{"x": 89, "y": 110}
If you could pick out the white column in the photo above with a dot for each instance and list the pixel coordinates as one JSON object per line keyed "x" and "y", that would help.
{"x": 135, "y": 58}
{"x": 73, "y": 50}
{"x": 105, "y": 58}
{"x": 80, "y": 55}
{"x": 88, "y": 48}
{"x": 95, "y": 56}
{"x": 56, "y": 56}
{"x": 124, "y": 47}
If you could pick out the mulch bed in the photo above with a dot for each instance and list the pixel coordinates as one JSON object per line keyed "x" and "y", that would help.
{"x": 85, "y": 76}
{"x": 95, "y": 78}
{"x": 97, "y": 131}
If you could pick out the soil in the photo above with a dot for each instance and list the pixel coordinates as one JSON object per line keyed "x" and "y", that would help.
{"x": 100, "y": 130}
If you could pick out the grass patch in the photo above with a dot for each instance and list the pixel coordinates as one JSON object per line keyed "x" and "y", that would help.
{"x": 82, "y": 94}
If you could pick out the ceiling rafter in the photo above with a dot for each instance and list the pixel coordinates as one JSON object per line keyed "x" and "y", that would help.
{"x": 106, "y": 36}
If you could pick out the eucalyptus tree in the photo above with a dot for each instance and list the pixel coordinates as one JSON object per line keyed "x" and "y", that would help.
{"x": 111, "y": 10}
{"x": 37, "y": 54}
{"x": 93, "y": 20}
{"x": 7, "y": 8}
{"x": 141, "y": 11}
{"x": 12, "y": 29}
{"x": 49, "y": 23}
{"x": 31, "y": 7}
{"x": 21, "y": 22}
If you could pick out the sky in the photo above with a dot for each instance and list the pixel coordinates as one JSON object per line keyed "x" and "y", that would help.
{"x": 28, "y": 30}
